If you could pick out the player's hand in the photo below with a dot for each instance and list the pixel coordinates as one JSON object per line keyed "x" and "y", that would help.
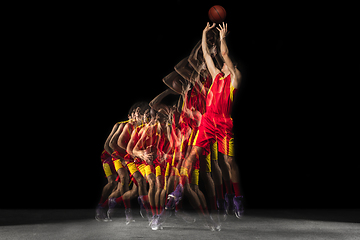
{"x": 185, "y": 88}
{"x": 157, "y": 118}
{"x": 208, "y": 27}
{"x": 146, "y": 115}
{"x": 171, "y": 113}
{"x": 222, "y": 30}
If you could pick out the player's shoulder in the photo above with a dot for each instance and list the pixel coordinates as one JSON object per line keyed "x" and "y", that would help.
{"x": 128, "y": 127}
{"x": 218, "y": 74}
{"x": 235, "y": 79}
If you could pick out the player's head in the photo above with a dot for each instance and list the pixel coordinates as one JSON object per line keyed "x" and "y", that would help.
{"x": 138, "y": 110}
{"x": 153, "y": 113}
{"x": 161, "y": 118}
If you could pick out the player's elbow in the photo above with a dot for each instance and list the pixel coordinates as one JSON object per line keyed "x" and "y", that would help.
{"x": 121, "y": 144}
{"x": 129, "y": 150}
{"x": 113, "y": 144}
{"x": 225, "y": 53}
{"x": 107, "y": 148}
{"x": 152, "y": 105}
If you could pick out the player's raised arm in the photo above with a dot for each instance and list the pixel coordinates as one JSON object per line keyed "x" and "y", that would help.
{"x": 235, "y": 80}
{"x": 206, "y": 52}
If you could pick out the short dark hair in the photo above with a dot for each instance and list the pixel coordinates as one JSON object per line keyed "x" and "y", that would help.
{"x": 142, "y": 105}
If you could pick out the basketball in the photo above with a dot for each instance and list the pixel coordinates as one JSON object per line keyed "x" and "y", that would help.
{"x": 217, "y": 14}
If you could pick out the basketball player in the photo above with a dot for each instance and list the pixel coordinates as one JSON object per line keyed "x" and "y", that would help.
{"x": 111, "y": 175}
{"x": 143, "y": 145}
{"x": 216, "y": 123}
{"x": 124, "y": 136}
{"x": 112, "y": 169}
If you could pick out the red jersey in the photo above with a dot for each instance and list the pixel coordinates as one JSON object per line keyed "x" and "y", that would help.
{"x": 163, "y": 147}
{"x": 105, "y": 155}
{"x": 220, "y": 97}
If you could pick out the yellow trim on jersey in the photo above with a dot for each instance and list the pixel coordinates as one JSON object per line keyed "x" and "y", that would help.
{"x": 167, "y": 171}
{"x": 231, "y": 92}
{"x": 173, "y": 160}
{"x": 196, "y": 136}
{"x": 123, "y": 122}
{"x": 210, "y": 87}
{"x": 182, "y": 144}
{"x": 191, "y": 136}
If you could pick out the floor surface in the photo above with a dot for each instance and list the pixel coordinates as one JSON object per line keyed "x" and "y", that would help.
{"x": 256, "y": 224}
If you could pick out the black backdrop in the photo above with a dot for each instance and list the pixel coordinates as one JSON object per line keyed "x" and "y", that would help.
{"x": 85, "y": 65}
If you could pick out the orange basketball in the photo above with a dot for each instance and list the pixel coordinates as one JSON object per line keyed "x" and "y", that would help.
{"x": 217, "y": 14}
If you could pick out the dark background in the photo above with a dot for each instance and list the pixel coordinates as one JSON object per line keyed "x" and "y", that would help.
{"x": 81, "y": 67}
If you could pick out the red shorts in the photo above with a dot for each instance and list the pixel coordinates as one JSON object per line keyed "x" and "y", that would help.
{"x": 108, "y": 166}
{"x": 216, "y": 128}
{"x": 118, "y": 155}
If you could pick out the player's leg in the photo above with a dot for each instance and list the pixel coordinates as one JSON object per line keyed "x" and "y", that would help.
{"x": 159, "y": 188}
{"x": 235, "y": 179}
{"x": 157, "y": 223}
{"x": 205, "y": 174}
{"x": 229, "y": 195}
{"x": 225, "y": 138}
{"x": 185, "y": 188}
{"x": 123, "y": 185}
{"x": 185, "y": 171}
{"x": 126, "y": 198}
{"x": 108, "y": 188}
{"x": 124, "y": 178}
{"x": 195, "y": 187}
{"x": 151, "y": 178}
{"x": 218, "y": 181}
{"x": 205, "y": 134}
{"x": 111, "y": 177}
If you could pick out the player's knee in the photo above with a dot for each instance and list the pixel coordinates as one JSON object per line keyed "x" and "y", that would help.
{"x": 134, "y": 191}
{"x": 139, "y": 179}
{"x": 111, "y": 179}
{"x": 151, "y": 181}
{"x": 187, "y": 188}
{"x": 113, "y": 185}
{"x": 124, "y": 179}
{"x": 194, "y": 187}
{"x": 231, "y": 161}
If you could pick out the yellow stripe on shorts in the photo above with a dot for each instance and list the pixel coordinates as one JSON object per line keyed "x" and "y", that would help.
{"x": 195, "y": 177}
{"x": 118, "y": 164}
{"x": 231, "y": 147}
{"x": 132, "y": 168}
{"x": 107, "y": 169}
{"x": 158, "y": 171}
{"x": 141, "y": 168}
{"x": 148, "y": 170}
